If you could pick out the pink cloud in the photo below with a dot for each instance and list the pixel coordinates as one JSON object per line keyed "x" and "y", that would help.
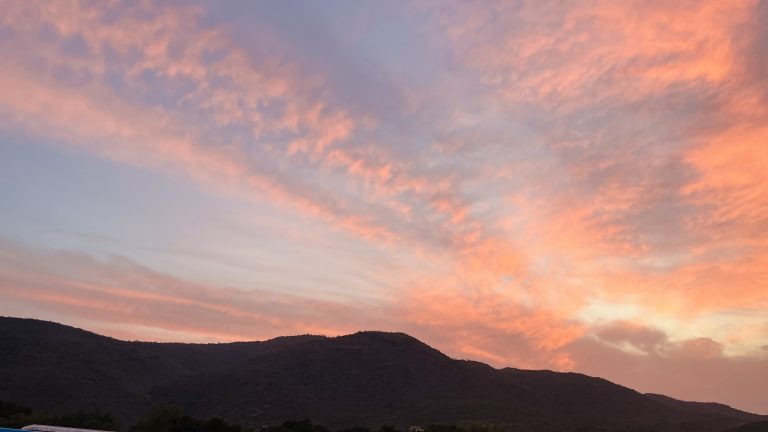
{"x": 123, "y": 297}
{"x": 273, "y": 97}
{"x": 687, "y": 369}
{"x": 638, "y": 206}
{"x": 119, "y": 291}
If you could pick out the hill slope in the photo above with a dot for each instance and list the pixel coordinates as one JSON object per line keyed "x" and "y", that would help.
{"x": 368, "y": 378}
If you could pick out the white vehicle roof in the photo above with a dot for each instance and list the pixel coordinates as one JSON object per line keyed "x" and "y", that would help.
{"x": 46, "y": 428}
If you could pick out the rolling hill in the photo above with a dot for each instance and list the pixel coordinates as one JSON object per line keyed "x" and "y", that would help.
{"x": 366, "y": 378}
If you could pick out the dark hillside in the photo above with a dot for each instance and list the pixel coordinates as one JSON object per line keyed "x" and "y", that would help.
{"x": 367, "y": 378}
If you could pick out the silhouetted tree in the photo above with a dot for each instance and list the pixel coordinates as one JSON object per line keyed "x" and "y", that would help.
{"x": 162, "y": 419}
{"x": 169, "y": 418}
{"x": 13, "y": 415}
{"x": 82, "y": 420}
{"x": 16, "y": 416}
{"x": 355, "y": 429}
{"x": 305, "y": 425}
{"x": 484, "y": 427}
{"x": 444, "y": 428}
{"x": 9, "y": 409}
{"x": 217, "y": 424}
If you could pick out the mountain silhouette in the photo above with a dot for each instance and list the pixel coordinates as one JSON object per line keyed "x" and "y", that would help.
{"x": 366, "y": 378}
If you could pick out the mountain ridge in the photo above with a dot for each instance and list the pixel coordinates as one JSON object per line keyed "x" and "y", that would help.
{"x": 365, "y": 378}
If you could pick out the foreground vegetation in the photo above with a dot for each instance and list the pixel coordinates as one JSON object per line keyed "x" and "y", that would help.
{"x": 16, "y": 416}
{"x": 169, "y": 418}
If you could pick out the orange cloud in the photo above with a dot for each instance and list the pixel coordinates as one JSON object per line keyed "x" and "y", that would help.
{"x": 629, "y": 183}
{"x": 119, "y": 291}
{"x": 583, "y": 53}
{"x": 273, "y": 97}
{"x": 679, "y": 368}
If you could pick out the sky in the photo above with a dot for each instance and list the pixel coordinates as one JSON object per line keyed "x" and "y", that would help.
{"x": 577, "y": 186}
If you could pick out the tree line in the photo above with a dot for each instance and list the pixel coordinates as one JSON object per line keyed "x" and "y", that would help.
{"x": 170, "y": 418}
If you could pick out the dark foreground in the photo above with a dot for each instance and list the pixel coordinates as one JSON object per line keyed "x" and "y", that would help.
{"x": 364, "y": 380}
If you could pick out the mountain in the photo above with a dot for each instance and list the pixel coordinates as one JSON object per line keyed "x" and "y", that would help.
{"x": 367, "y": 378}
{"x": 758, "y": 426}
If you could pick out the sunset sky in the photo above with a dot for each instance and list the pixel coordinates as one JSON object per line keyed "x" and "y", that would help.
{"x": 578, "y": 186}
